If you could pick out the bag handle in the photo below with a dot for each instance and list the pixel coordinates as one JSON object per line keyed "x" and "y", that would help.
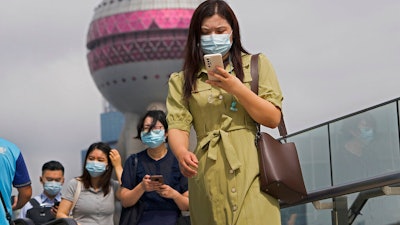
{"x": 254, "y": 88}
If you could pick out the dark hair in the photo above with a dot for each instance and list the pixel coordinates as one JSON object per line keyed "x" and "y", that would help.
{"x": 156, "y": 115}
{"x": 193, "y": 53}
{"x": 104, "y": 178}
{"x": 53, "y": 165}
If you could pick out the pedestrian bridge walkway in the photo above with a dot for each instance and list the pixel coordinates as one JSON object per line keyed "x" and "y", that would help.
{"x": 351, "y": 168}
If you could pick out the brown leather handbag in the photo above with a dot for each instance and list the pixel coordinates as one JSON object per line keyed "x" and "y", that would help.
{"x": 280, "y": 171}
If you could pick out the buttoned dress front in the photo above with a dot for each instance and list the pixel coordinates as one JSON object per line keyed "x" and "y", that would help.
{"x": 226, "y": 189}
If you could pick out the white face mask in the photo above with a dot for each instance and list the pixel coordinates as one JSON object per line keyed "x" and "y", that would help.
{"x": 153, "y": 138}
{"x": 52, "y": 187}
{"x": 95, "y": 168}
{"x": 216, "y": 43}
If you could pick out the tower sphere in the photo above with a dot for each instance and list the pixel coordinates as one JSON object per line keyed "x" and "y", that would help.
{"x": 133, "y": 47}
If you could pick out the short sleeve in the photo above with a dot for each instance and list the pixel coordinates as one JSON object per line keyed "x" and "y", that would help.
{"x": 128, "y": 177}
{"x": 268, "y": 87}
{"x": 115, "y": 185}
{"x": 69, "y": 190}
{"x": 178, "y": 116}
{"x": 21, "y": 177}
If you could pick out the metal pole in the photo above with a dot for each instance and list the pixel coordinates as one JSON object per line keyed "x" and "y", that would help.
{"x": 339, "y": 211}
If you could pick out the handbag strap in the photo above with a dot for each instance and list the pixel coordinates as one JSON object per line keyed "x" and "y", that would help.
{"x": 8, "y": 216}
{"x": 254, "y": 88}
{"x": 76, "y": 195}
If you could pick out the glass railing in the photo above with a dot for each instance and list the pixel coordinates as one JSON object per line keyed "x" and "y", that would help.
{"x": 352, "y": 148}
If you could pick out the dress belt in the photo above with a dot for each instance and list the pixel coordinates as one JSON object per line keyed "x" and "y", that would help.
{"x": 213, "y": 138}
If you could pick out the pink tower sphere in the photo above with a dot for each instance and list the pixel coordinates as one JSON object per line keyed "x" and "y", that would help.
{"x": 134, "y": 45}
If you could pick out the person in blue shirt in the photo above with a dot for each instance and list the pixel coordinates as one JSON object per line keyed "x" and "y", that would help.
{"x": 14, "y": 173}
{"x": 163, "y": 198}
{"x": 52, "y": 180}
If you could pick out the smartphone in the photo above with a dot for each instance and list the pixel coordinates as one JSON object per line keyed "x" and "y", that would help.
{"x": 12, "y": 199}
{"x": 158, "y": 178}
{"x": 56, "y": 203}
{"x": 212, "y": 61}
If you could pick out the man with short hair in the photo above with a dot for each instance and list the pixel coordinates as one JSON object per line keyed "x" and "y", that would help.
{"x": 13, "y": 173}
{"x": 43, "y": 207}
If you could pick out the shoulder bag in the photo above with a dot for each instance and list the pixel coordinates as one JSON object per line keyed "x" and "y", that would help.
{"x": 280, "y": 171}
{"x": 131, "y": 215}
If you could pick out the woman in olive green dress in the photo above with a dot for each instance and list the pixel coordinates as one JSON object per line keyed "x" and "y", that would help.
{"x": 223, "y": 169}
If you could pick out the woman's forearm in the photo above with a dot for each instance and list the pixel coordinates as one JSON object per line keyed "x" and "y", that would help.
{"x": 182, "y": 201}
{"x": 178, "y": 140}
{"x": 130, "y": 197}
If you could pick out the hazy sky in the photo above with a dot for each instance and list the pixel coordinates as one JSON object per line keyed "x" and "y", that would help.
{"x": 332, "y": 58}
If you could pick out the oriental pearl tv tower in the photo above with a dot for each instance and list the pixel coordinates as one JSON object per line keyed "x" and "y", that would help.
{"x": 133, "y": 47}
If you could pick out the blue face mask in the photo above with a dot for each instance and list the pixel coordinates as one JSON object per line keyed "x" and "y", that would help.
{"x": 154, "y": 138}
{"x": 52, "y": 187}
{"x": 216, "y": 43}
{"x": 95, "y": 168}
{"x": 366, "y": 134}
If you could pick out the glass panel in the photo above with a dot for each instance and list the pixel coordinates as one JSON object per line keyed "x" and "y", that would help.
{"x": 380, "y": 210}
{"x": 354, "y": 148}
{"x": 365, "y": 145}
{"x": 313, "y": 150}
{"x": 294, "y": 215}
{"x": 305, "y": 215}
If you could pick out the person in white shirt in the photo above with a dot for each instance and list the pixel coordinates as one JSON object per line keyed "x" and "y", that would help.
{"x": 52, "y": 180}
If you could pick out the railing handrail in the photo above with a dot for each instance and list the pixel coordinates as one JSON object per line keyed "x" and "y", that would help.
{"x": 348, "y": 188}
{"x": 342, "y": 117}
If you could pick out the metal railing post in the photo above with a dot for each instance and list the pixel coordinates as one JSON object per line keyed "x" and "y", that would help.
{"x": 339, "y": 211}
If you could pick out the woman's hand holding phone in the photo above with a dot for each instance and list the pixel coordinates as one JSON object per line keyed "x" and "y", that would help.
{"x": 211, "y": 61}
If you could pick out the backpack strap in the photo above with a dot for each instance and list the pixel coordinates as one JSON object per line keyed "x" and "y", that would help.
{"x": 34, "y": 202}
